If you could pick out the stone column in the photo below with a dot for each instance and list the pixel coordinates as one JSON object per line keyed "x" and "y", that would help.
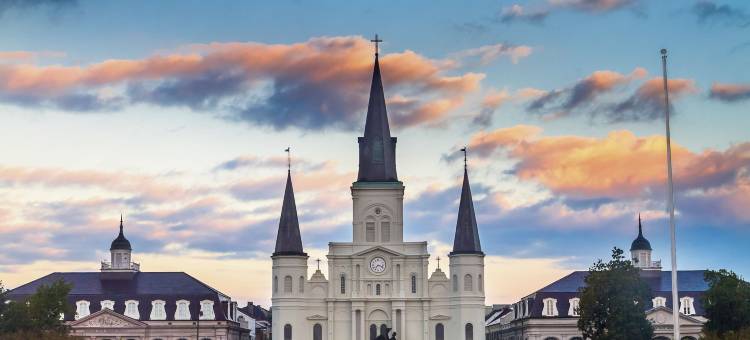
{"x": 363, "y": 329}
{"x": 354, "y": 323}
{"x": 403, "y": 324}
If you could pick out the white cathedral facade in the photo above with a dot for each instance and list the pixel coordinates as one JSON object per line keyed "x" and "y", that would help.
{"x": 378, "y": 283}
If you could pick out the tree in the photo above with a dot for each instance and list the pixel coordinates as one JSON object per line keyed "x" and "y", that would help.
{"x": 611, "y": 306}
{"x": 727, "y": 304}
{"x": 38, "y": 316}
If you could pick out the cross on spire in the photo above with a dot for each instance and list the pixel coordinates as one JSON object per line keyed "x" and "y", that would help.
{"x": 318, "y": 261}
{"x": 464, "y": 150}
{"x": 289, "y": 158}
{"x": 438, "y": 259}
{"x": 376, "y": 41}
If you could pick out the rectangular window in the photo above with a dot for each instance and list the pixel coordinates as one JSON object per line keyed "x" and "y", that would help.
{"x": 385, "y": 229}
{"x": 343, "y": 284}
{"x": 378, "y": 157}
{"x": 370, "y": 231}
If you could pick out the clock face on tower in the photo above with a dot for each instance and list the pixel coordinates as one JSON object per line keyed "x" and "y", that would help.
{"x": 377, "y": 265}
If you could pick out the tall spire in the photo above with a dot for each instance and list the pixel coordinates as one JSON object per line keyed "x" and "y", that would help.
{"x": 640, "y": 242}
{"x": 377, "y": 149}
{"x": 288, "y": 239}
{"x": 466, "y": 240}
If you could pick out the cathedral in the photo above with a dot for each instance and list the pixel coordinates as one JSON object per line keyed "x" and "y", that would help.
{"x": 377, "y": 283}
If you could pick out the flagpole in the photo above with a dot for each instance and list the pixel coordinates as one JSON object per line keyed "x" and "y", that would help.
{"x": 670, "y": 204}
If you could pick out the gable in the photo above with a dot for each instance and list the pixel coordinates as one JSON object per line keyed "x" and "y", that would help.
{"x": 106, "y": 318}
{"x": 376, "y": 249}
{"x": 663, "y": 315}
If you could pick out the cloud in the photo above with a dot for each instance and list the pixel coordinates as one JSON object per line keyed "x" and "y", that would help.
{"x": 620, "y": 165}
{"x": 489, "y": 53}
{"x": 710, "y": 12}
{"x": 647, "y": 103}
{"x": 317, "y": 84}
{"x": 494, "y": 99}
{"x": 517, "y": 12}
{"x": 584, "y": 93}
{"x": 730, "y": 92}
{"x": 593, "y": 6}
{"x": 28, "y": 56}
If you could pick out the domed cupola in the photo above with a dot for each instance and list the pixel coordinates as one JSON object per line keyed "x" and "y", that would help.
{"x": 121, "y": 243}
{"x": 640, "y": 242}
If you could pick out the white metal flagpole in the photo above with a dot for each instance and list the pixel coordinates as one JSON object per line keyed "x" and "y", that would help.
{"x": 670, "y": 204}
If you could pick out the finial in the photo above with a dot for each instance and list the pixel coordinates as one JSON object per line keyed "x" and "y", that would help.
{"x": 466, "y": 163}
{"x": 289, "y": 158}
{"x": 376, "y": 41}
{"x": 663, "y": 52}
{"x": 121, "y": 222}
{"x": 438, "y": 259}
{"x": 640, "y": 227}
{"x": 318, "y": 261}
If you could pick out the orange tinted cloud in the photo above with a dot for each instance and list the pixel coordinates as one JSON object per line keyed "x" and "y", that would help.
{"x": 618, "y": 165}
{"x": 730, "y": 92}
{"x": 318, "y": 83}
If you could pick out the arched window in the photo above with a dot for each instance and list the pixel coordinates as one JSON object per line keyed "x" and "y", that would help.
{"x": 370, "y": 231}
{"x": 385, "y": 231}
{"x": 480, "y": 283}
{"x": 469, "y": 331}
{"x": 287, "y": 332}
{"x": 82, "y": 309}
{"x": 108, "y": 304}
{"x": 686, "y": 306}
{"x": 377, "y": 289}
{"x": 573, "y": 310}
{"x": 157, "y": 310}
{"x": 468, "y": 284}
{"x": 275, "y": 284}
{"x": 131, "y": 309}
{"x": 384, "y": 330}
{"x": 659, "y": 301}
{"x": 550, "y": 307}
{"x": 301, "y": 284}
{"x": 317, "y": 332}
{"x": 373, "y": 332}
{"x": 343, "y": 284}
{"x": 455, "y": 283}
{"x": 439, "y": 332}
{"x": 287, "y": 284}
{"x": 413, "y": 283}
{"x": 183, "y": 311}
{"x": 207, "y": 309}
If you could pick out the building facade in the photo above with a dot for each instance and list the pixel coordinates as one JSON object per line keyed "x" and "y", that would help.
{"x": 551, "y": 313}
{"x": 121, "y": 302}
{"x": 378, "y": 283}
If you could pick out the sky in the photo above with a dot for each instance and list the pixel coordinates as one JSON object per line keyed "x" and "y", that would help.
{"x": 176, "y": 114}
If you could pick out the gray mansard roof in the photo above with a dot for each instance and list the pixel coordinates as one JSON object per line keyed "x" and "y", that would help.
{"x": 691, "y": 283}
{"x": 144, "y": 287}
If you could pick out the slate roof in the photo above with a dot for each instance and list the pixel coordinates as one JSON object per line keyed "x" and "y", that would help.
{"x": 690, "y": 283}
{"x": 144, "y": 288}
{"x": 377, "y": 149}
{"x": 466, "y": 239}
{"x": 288, "y": 237}
{"x": 256, "y": 312}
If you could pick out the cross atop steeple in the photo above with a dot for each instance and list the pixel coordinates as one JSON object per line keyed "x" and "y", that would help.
{"x": 318, "y": 261}
{"x": 466, "y": 163}
{"x": 288, "y": 158}
{"x": 376, "y": 41}
{"x": 438, "y": 259}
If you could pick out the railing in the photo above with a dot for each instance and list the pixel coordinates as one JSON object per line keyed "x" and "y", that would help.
{"x": 106, "y": 265}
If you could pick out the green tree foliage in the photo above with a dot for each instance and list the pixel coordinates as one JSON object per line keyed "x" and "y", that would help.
{"x": 612, "y": 303}
{"x": 727, "y": 304}
{"x": 37, "y": 317}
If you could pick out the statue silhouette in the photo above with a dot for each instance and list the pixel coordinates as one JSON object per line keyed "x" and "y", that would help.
{"x": 384, "y": 336}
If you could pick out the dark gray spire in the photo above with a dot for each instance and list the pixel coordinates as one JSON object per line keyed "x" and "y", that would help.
{"x": 377, "y": 149}
{"x": 640, "y": 242}
{"x": 466, "y": 240}
{"x": 120, "y": 243}
{"x": 288, "y": 239}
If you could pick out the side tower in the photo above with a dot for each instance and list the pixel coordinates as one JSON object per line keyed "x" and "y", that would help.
{"x": 289, "y": 273}
{"x": 640, "y": 251}
{"x": 377, "y": 194}
{"x": 467, "y": 271}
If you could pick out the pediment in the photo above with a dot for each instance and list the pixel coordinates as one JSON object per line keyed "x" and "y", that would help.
{"x": 378, "y": 248}
{"x": 317, "y": 317}
{"x": 663, "y": 315}
{"x": 107, "y": 318}
{"x": 440, "y": 317}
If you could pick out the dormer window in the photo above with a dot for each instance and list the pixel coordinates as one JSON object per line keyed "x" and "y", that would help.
{"x": 157, "y": 310}
{"x": 183, "y": 310}
{"x": 686, "y": 306}
{"x": 550, "y": 307}
{"x": 573, "y": 310}
{"x": 82, "y": 309}
{"x": 108, "y": 304}
{"x": 131, "y": 309}
{"x": 207, "y": 310}
{"x": 659, "y": 301}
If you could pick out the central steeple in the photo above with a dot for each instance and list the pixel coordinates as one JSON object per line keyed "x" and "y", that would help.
{"x": 377, "y": 149}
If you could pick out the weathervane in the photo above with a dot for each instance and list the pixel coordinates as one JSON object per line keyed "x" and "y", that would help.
{"x": 376, "y": 41}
